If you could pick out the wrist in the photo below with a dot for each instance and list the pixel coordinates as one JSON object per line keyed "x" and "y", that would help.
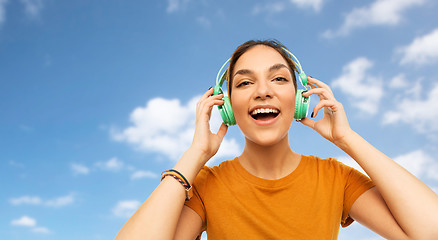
{"x": 191, "y": 163}
{"x": 344, "y": 143}
{"x": 199, "y": 154}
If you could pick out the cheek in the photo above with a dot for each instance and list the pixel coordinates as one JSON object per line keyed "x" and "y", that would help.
{"x": 292, "y": 100}
{"x": 240, "y": 107}
{"x": 288, "y": 99}
{"x": 237, "y": 106}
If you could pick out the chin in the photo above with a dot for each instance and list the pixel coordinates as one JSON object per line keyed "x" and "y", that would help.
{"x": 265, "y": 139}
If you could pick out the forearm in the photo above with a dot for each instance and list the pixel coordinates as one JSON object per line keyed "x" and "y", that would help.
{"x": 158, "y": 216}
{"x": 413, "y": 204}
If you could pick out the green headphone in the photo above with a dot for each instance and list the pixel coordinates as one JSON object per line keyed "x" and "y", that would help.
{"x": 301, "y": 103}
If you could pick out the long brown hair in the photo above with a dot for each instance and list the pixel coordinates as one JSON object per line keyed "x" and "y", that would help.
{"x": 276, "y": 45}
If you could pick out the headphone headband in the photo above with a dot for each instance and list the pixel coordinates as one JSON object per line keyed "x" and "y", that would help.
{"x": 222, "y": 78}
{"x": 302, "y": 75}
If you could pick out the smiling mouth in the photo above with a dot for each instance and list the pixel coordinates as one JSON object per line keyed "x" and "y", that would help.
{"x": 264, "y": 114}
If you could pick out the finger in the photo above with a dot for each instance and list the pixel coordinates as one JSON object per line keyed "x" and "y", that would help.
{"x": 209, "y": 98}
{"x": 321, "y": 92}
{"x": 208, "y": 104}
{"x": 323, "y": 104}
{"x": 311, "y": 85}
{"x": 205, "y": 107}
{"x": 308, "y": 122}
{"x": 222, "y": 131}
{"x": 319, "y": 83}
{"x": 211, "y": 101}
{"x": 207, "y": 94}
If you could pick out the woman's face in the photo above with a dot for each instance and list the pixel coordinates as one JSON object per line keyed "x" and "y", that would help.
{"x": 263, "y": 95}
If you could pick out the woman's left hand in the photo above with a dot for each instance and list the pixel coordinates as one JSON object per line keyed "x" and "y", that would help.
{"x": 334, "y": 125}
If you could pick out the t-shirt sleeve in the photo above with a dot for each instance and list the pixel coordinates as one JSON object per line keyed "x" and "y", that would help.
{"x": 356, "y": 184}
{"x": 196, "y": 202}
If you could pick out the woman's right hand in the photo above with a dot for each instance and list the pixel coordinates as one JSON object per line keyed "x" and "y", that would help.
{"x": 204, "y": 141}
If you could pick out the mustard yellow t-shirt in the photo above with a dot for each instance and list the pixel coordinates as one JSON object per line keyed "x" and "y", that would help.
{"x": 310, "y": 203}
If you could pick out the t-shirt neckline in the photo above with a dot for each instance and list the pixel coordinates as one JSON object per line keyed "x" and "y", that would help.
{"x": 284, "y": 181}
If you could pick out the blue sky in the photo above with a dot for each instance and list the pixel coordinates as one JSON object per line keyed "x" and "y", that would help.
{"x": 97, "y": 97}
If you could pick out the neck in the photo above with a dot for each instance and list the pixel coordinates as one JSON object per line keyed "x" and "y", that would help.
{"x": 269, "y": 162}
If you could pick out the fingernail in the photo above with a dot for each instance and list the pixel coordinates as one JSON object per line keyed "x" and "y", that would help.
{"x": 311, "y": 115}
{"x": 304, "y": 92}
{"x": 210, "y": 88}
{"x": 310, "y": 76}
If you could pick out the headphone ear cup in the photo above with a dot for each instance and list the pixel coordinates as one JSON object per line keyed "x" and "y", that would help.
{"x": 227, "y": 112}
{"x": 301, "y": 105}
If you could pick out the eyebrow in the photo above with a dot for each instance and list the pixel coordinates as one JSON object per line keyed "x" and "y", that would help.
{"x": 278, "y": 66}
{"x": 243, "y": 72}
{"x": 271, "y": 69}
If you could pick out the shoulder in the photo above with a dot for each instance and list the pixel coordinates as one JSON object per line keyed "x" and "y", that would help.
{"x": 327, "y": 165}
{"x": 209, "y": 172}
{"x": 222, "y": 167}
{"x": 324, "y": 162}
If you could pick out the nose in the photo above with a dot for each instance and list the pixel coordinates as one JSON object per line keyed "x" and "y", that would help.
{"x": 263, "y": 90}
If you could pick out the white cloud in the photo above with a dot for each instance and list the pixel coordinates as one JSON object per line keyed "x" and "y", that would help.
{"x": 398, "y": 81}
{"x": 61, "y": 201}
{"x": 43, "y": 230}
{"x": 112, "y": 164}
{"x": 365, "y": 90}
{"x": 228, "y": 148}
{"x": 422, "y": 51}
{"x": 16, "y": 164}
{"x": 204, "y": 236}
{"x": 79, "y": 169}
{"x": 417, "y": 162}
{"x": 380, "y": 12}
{"x": 269, "y": 8}
{"x": 176, "y": 5}
{"x": 203, "y": 21}
{"x": 345, "y": 159}
{"x": 172, "y": 6}
{"x": 125, "y": 209}
{"x": 26, "y": 200}
{"x": 32, "y": 8}
{"x": 143, "y": 174}
{"x": 24, "y": 221}
{"x": 422, "y": 114}
{"x": 281, "y": 6}
{"x": 315, "y": 4}
{"x": 25, "y": 128}
{"x": 35, "y": 200}
{"x": 3, "y": 11}
{"x": 166, "y": 126}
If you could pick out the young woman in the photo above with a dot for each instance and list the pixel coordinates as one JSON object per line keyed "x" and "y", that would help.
{"x": 270, "y": 191}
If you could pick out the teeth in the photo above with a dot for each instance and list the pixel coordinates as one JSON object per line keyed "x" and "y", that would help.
{"x": 264, "y": 110}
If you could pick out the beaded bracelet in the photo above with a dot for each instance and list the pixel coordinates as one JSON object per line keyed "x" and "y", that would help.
{"x": 181, "y": 179}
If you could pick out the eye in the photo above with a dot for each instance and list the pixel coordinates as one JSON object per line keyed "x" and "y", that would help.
{"x": 281, "y": 79}
{"x": 243, "y": 83}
